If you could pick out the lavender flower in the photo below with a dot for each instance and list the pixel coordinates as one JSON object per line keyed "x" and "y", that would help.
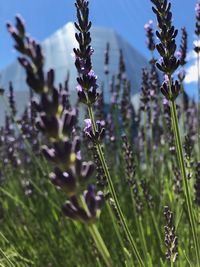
{"x": 171, "y": 93}
{"x": 169, "y": 132}
{"x": 150, "y": 35}
{"x": 171, "y": 239}
{"x": 181, "y": 76}
{"x": 106, "y": 59}
{"x": 182, "y": 53}
{"x": 191, "y": 116}
{"x": 177, "y": 181}
{"x": 148, "y": 197}
{"x": 130, "y": 173}
{"x": 11, "y": 100}
{"x": 70, "y": 173}
{"x": 167, "y": 46}
{"x": 188, "y": 147}
{"x": 122, "y": 68}
{"x": 126, "y": 108}
{"x": 88, "y": 127}
{"x": 100, "y": 105}
{"x": 87, "y": 80}
{"x": 97, "y": 135}
{"x": 93, "y": 201}
{"x": 197, "y": 10}
{"x": 100, "y": 176}
{"x": 145, "y": 91}
{"x": 110, "y": 129}
{"x": 197, "y": 184}
{"x": 154, "y": 84}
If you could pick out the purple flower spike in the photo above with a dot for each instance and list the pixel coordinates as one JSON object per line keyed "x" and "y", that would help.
{"x": 88, "y": 126}
{"x": 87, "y": 78}
{"x": 197, "y": 8}
{"x": 92, "y": 74}
{"x": 148, "y": 25}
{"x": 150, "y": 35}
{"x": 178, "y": 54}
{"x": 102, "y": 123}
{"x": 79, "y": 88}
{"x": 78, "y": 155}
{"x": 197, "y": 24}
{"x": 91, "y": 51}
{"x": 93, "y": 200}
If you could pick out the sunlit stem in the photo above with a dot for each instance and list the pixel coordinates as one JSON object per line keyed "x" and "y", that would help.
{"x": 98, "y": 240}
{"x": 179, "y": 149}
{"x": 113, "y": 193}
{"x": 198, "y": 84}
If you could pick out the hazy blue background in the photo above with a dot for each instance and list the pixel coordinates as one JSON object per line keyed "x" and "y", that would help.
{"x": 127, "y": 17}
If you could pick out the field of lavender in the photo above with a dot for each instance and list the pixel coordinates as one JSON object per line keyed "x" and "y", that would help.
{"x": 124, "y": 189}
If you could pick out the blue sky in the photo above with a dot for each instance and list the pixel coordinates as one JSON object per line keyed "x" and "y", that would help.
{"x": 127, "y": 17}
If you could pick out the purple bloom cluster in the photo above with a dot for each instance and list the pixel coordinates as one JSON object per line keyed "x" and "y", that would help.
{"x": 150, "y": 35}
{"x": 87, "y": 80}
{"x": 197, "y": 184}
{"x": 197, "y": 26}
{"x": 167, "y": 46}
{"x": 182, "y": 53}
{"x": 171, "y": 240}
{"x": 56, "y": 122}
{"x": 106, "y": 59}
{"x": 197, "y": 10}
{"x": 130, "y": 170}
{"x": 97, "y": 135}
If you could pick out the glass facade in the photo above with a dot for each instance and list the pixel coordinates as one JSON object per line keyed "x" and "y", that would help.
{"x": 58, "y": 51}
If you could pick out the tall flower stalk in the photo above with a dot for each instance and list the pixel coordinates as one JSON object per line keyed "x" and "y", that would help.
{"x": 87, "y": 92}
{"x": 197, "y": 50}
{"x": 170, "y": 89}
{"x": 171, "y": 239}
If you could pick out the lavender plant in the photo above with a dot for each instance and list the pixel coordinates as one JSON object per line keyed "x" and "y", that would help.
{"x": 197, "y": 50}
{"x": 171, "y": 240}
{"x": 170, "y": 89}
{"x": 70, "y": 173}
{"x": 87, "y": 93}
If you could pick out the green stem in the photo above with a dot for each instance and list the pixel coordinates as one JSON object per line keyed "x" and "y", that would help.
{"x": 113, "y": 193}
{"x": 146, "y": 138}
{"x": 138, "y": 221}
{"x": 198, "y": 73}
{"x": 7, "y": 258}
{"x": 157, "y": 230}
{"x": 100, "y": 245}
{"x": 98, "y": 239}
{"x": 184, "y": 174}
{"x": 115, "y": 226}
{"x": 141, "y": 229}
